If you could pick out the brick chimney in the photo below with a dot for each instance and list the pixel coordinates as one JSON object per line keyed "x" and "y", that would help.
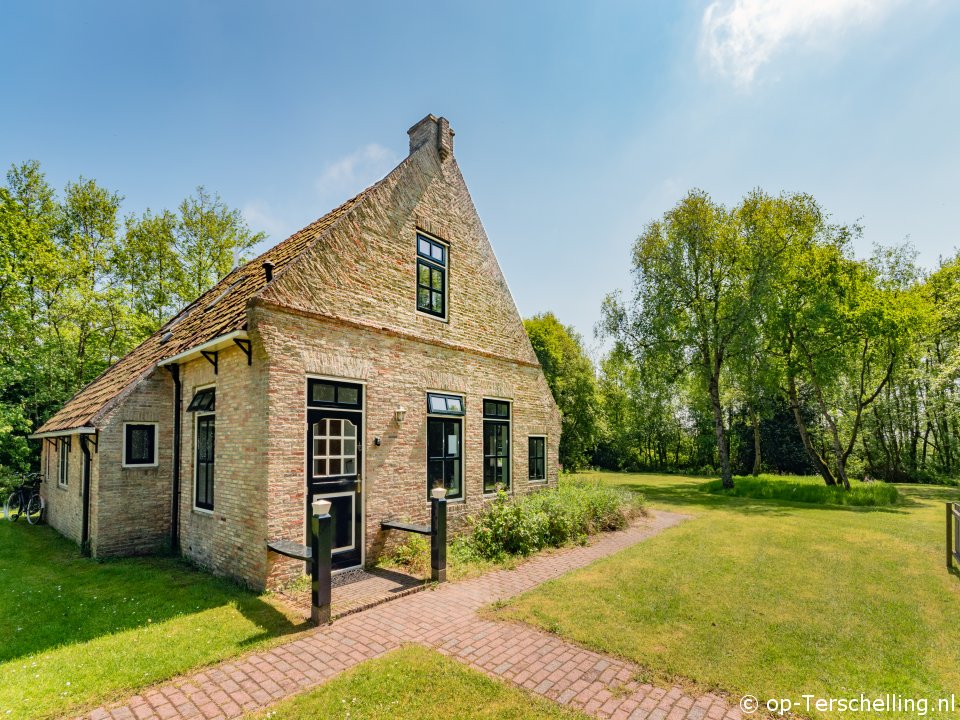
{"x": 434, "y": 131}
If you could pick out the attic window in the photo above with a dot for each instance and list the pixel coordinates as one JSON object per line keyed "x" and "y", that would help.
{"x": 432, "y": 257}
{"x": 444, "y": 404}
{"x": 203, "y": 401}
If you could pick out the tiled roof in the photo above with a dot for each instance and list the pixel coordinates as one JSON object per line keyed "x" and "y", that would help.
{"x": 219, "y": 311}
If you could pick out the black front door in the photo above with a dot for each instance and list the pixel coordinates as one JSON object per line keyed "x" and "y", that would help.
{"x": 335, "y": 463}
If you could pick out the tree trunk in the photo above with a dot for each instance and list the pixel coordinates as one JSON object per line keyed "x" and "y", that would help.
{"x": 815, "y": 458}
{"x": 756, "y": 443}
{"x": 726, "y": 474}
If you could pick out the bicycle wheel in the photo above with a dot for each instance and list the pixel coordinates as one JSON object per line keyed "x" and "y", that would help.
{"x": 35, "y": 510}
{"x": 11, "y": 508}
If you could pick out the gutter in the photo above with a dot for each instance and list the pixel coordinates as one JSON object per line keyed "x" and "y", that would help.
{"x": 209, "y": 346}
{"x": 87, "y": 465}
{"x": 175, "y": 488}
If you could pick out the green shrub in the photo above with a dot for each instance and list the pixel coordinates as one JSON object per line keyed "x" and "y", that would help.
{"x": 806, "y": 490}
{"x": 550, "y": 518}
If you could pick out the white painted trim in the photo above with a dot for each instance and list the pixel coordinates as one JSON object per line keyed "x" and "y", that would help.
{"x": 193, "y": 456}
{"x": 510, "y": 449}
{"x": 64, "y": 433}
{"x": 463, "y": 440}
{"x": 446, "y": 275}
{"x": 63, "y": 465}
{"x": 156, "y": 450}
{"x": 306, "y": 456}
{"x": 209, "y": 345}
{"x": 546, "y": 474}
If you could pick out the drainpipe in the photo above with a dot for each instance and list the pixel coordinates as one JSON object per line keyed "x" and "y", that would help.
{"x": 175, "y": 501}
{"x": 85, "y": 527}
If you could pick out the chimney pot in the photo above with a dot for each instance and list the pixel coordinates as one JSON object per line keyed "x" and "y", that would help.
{"x": 268, "y": 270}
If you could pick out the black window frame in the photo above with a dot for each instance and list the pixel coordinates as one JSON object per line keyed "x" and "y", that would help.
{"x": 209, "y": 464}
{"x": 446, "y": 397}
{"x": 444, "y": 458}
{"x": 496, "y": 421}
{"x": 338, "y": 388}
{"x": 204, "y": 400}
{"x": 128, "y": 461}
{"x": 537, "y": 459}
{"x": 432, "y": 265}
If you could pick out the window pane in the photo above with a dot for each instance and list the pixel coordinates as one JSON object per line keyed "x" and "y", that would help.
{"x": 423, "y": 299}
{"x": 437, "y": 252}
{"x": 423, "y": 273}
{"x": 437, "y": 302}
{"x": 347, "y": 396}
{"x": 436, "y": 280}
{"x": 319, "y": 467}
{"x": 349, "y": 447}
{"x": 333, "y": 428}
{"x": 320, "y": 447}
{"x": 323, "y": 392}
{"x": 453, "y": 439}
{"x": 335, "y": 447}
{"x": 454, "y": 405}
{"x": 434, "y": 438}
{"x": 349, "y": 466}
{"x": 438, "y": 403}
{"x": 423, "y": 245}
{"x": 334, "y": 466}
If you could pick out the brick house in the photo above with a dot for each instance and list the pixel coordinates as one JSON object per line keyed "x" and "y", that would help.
{"x": 367, "y": 358}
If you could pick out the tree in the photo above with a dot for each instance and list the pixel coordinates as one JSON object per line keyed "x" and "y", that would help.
{"x": 571, "y": 378}
{"x": 700, "y": 275}
{"x": 151, "y": 268}
{"x": 211, "y": 239}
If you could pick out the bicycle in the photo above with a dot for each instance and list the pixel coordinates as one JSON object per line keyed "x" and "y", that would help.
{"x": 26, "y": 500}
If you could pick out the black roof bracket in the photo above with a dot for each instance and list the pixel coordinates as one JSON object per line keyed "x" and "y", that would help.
{"x": 247, "y": 350}
{"x": 212, "y": 358}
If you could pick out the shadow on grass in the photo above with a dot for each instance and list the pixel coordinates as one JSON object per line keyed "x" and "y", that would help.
{"x": 54, "y": 596}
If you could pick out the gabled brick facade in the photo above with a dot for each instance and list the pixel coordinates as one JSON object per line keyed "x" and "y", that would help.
{"x": 343, "y": 308}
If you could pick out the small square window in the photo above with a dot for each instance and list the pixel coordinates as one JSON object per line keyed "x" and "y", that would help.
{"x": 139, "y": 445}
{"x": 203, "y": 401}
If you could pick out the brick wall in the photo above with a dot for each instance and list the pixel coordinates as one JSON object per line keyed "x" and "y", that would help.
{"x": 397, "y": 372}
{"x": 132, "y": 505}
{"x": 64, "y": 505}
{"x": 231, "y": 540}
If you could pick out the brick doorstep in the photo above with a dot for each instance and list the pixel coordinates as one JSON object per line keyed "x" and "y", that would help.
{"x": 444, "y": 618}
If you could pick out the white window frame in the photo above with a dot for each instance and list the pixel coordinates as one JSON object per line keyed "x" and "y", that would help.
{"x": 63, "y": 462}
{"x": 156, "y": 449}
{"x": 463, "y": 438}
{"x": 546, "y": 473}
{"x": 512, "y": 449}
{"x": 196, "y": 423}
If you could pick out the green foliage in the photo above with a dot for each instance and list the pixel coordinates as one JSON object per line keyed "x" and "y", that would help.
{"x": 570, "y": 375}
{"x": 807, "y": 490}
{"x": 549, "y": 518}
{"x": 77, "y": 291}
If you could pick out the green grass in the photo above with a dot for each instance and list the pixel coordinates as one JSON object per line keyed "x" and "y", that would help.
{"x": 414, "y": 682}
{"x": 772, "y": 598}
{"x": 77, "y": 632}
{"x": 806, "y": 490}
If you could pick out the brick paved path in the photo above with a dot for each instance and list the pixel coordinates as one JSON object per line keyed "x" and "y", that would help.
{"x": 445, "y": 619}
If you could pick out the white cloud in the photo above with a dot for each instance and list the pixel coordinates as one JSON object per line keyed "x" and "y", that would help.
{"x": 259, "y": 216}
{"x": 737, "y": 37}
{"x": 353, "y": 172}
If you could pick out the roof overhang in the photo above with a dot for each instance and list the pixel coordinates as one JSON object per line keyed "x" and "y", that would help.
{"x": 85, "y": 430}
{"x": 217, "y": 343}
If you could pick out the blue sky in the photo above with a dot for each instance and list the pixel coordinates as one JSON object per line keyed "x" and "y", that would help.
{"x": 576, "y": 123}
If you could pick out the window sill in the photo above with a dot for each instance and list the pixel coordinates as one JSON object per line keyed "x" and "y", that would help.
{"x": 61, "y": 486}
{"x": 149, "y": 466}
{"x": 202, "y": 511}
{"x": 430, "y": 316}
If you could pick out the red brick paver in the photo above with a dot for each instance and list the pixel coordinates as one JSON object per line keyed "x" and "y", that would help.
{"x": 445, "y": 619}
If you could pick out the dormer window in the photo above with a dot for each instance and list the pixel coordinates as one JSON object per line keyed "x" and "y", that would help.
{"x": 431, "y": 276}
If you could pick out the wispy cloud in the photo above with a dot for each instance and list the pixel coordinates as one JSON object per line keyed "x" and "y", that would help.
{"x": 353, "y": 172}
{"x": 259, "y": 216}
{"x": 737, "y": 37}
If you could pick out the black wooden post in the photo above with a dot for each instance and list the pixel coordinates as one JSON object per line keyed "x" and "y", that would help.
{"x": 950, "y": 535}
{"x": 438, "y": 538}
{"x": 321, "y": 543}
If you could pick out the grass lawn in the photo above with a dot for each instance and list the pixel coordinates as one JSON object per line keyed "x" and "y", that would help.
{"x": 414, "y": 682}
{"x": 771, "y": 597}
{"x": 78, "y": 632}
